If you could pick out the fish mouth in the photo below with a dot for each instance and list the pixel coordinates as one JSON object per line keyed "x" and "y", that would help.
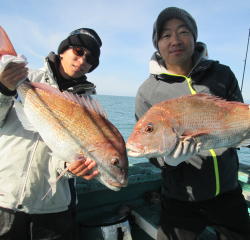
{"x": 132, "y": 153}
{"x": 124, "y": 183}
{"x": 112, "y": 183}
{"x": 135, "y": 151}
{"x": 143, "y": 152}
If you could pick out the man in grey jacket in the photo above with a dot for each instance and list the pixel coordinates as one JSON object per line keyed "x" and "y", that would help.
{"x": 199, "y": 188}
{"x": 27, "y": 170}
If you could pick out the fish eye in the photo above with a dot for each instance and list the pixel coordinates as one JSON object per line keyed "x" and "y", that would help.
{"x": 115, "y": 162}
{"x": 149, "y": 128}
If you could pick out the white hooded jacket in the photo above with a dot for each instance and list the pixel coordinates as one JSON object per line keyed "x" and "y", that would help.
{"x": 27, "y": 170}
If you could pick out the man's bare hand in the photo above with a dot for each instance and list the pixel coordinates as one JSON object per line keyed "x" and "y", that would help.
{"x": 12, "y": 74}
{"x": 83, "y": 168}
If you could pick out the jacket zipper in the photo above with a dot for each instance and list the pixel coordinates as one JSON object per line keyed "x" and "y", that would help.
{"x": 28, "y": 169}
{"x": 216, "y": 169}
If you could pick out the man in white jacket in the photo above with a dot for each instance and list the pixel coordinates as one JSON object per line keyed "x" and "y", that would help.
{"x": 27, "y": 170}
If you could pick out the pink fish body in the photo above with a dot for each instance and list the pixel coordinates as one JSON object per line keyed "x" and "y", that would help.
{"x": 207, "y": 119}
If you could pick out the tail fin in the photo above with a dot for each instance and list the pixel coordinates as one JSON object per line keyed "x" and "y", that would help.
{"x": 6, "y": 47}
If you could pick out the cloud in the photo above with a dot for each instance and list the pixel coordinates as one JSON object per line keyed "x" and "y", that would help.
{"x": 27, "y": 35}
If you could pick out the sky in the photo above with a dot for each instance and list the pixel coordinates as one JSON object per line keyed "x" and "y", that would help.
{"x": 36, "y": 27}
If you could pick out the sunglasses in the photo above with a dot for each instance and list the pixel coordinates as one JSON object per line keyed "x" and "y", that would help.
{"x": 80, "y": 52}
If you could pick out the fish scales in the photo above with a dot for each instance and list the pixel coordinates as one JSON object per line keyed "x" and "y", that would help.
{"x": 208, "y": 119}
{"x": 65, "y": 120}
{"x": 199, "y": 115}
{"x": 218, "y": 118}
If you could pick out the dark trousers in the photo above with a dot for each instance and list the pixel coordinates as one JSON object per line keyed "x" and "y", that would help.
{"x": 227, "y": 214}
{"x": 19, "y": 225}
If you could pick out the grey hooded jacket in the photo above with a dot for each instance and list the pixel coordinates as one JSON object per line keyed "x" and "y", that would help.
{"x": 208, "y": 173}
{"x": 27, "y": 171}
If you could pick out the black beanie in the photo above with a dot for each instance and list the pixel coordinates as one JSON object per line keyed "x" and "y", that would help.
{"x": 83, "y": 37}
{"x": 173, "y": 12}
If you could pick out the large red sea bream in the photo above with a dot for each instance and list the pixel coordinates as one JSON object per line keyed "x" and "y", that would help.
{"x": 209, "y": 120}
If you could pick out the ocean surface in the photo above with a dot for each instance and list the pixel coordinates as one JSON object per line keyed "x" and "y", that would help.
{"x": 120, "y": 111}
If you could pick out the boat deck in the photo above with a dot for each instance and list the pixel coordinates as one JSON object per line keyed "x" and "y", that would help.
{"x": 95, "y": 200}
{"x": 244, "y": 181}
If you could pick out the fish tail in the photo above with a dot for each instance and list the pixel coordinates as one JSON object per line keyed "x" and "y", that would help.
{"x": 64, "y": 171}
{"x": 6, "y": 47}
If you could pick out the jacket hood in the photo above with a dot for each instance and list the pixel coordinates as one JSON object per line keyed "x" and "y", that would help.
{"x": 157, "y": 64}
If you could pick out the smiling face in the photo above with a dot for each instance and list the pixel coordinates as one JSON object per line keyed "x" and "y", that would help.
{"x": 72, "y": 66}
{"x": 176, "y": 43}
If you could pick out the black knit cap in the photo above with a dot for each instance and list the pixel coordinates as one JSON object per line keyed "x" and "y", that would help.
{"x": 169, "y": 13}
{"x": 83, "y": 37}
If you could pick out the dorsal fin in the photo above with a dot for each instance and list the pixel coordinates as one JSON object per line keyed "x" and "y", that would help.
{"x": 6, "y": 47}
{"x": 216, "y": 99}
{"x": 87, "y": 102}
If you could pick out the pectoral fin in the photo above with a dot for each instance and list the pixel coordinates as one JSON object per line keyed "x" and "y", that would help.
{"x": 23, "y": 117}
{"x": 176, "y": 127}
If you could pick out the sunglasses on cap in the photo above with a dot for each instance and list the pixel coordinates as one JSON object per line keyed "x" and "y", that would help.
{"x": 78, "y": 51}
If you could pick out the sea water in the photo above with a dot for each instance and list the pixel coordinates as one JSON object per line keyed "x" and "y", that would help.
{"x": 120, "y": 111}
